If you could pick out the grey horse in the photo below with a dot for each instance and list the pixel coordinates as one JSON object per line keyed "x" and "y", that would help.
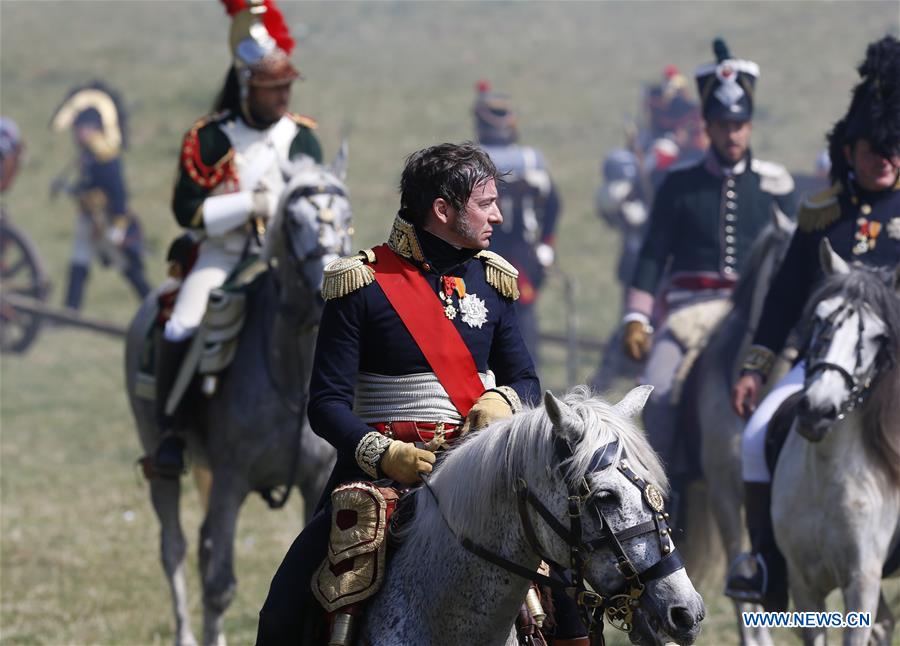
{"x": 464, "y": 599}
{"x": 252, "y": 434}
{"x": 840, "y": 463}
{"x": 706, "y": 415}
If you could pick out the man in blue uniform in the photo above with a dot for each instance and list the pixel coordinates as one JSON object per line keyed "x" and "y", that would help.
{"x": 860, "y": 216}
{"x": 105, "y": 226}
{"x": 528, "y": 200}
{"x": 704, "y": 220}
{"x": 419, "y": 342}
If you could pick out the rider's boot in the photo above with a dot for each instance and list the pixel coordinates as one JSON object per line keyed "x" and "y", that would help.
{"x": 168, "y": 461}
{"x": 768, "y": 584}
{"x": 78, "y": 275}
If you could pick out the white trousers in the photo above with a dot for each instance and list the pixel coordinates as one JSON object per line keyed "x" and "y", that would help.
{"x": 215, "y": 261}
{"x": 753, "y": 442}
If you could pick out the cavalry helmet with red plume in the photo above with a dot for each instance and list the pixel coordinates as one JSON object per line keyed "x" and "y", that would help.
{"x": 260, "y": 43}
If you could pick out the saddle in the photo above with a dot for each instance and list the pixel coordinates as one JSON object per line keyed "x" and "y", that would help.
{"x": 213, "y": 347}
{"x": 366, "y": 524}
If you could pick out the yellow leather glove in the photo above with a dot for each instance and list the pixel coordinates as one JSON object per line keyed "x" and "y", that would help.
{"x": 636, "y": 340}
{"x": 488, "y": 408}
{"x": 402, "y": 462}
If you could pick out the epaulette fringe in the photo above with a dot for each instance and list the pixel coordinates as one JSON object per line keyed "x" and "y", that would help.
{"x": 348, "y": 274}
{"x": 500, "y": 274}
{"x": 303, "y": 120}
{"x": 820, "y": 210}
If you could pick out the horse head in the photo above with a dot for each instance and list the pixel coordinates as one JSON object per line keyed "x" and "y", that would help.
{"x": 633, "y": 564}
{"x": 313, "y": 226}
{"x": 853, "y": 333}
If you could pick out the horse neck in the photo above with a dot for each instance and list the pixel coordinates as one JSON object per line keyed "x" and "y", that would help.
{"x": 472, "y": 600}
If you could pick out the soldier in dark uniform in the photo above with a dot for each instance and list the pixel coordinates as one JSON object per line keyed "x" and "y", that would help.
{"x": 704, "y": 220}
{"x": 860, "y": 216}
{"x": 419, "y": 342}
{"x": 229, "y": 182}
{"x": 528, "y": 199}
{"x": 105, "y": 226}
{"x": 11, "y": 151}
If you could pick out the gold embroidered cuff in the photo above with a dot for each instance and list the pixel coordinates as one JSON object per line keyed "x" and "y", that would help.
{"x": 369, "y": 450}
{"x": 511, "y": 397}
{"x": 759, "y": 359}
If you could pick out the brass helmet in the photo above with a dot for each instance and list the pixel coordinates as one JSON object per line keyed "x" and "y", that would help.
{"x": 97, "y": 105}
{"x": 261, "y": 44}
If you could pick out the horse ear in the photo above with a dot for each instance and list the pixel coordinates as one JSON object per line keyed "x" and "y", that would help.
{"x": 633, "y": 403}
{"x": 338, "y": 167}
{"x": 782, "y": 221}
{"x": 565, "y": 422}
{"x": 831, "y": 262}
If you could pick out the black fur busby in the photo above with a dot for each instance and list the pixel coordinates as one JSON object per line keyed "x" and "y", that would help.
{"x": 874, "y": 112}
{"x": 726, "y": 87}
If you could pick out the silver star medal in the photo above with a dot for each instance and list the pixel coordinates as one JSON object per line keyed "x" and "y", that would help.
{"x": 474, "y": 311}
{"x": 893, "y": 228}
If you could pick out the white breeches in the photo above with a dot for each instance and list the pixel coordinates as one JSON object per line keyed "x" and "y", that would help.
{"x": 753, "y": 443}
{"x": 83, "y": 242}
{"x": 214, "y": 263}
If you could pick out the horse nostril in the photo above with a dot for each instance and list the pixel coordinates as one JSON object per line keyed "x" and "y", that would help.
{"x": 803, "y": 406}
{"x": 681, "y": 619}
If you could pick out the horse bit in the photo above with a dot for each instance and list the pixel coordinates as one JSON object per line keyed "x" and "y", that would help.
{"x": 859, "y": 383}
{"x": 618, "y": 606}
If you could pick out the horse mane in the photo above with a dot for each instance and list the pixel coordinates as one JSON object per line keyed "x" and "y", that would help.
{"x": 742, "y": 296}
{"x": 873, "y": 287}
{"x": 483, "y": 469}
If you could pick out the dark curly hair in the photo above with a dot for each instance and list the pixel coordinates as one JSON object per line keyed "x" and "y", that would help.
{"x": 448, "y": 171}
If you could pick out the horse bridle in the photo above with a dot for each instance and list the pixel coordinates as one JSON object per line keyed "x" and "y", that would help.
{"x": 618, "y": 606}
{"x": 859, "y": 382}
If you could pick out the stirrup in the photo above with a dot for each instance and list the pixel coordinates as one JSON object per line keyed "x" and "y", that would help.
{"x": 748, "y": 594}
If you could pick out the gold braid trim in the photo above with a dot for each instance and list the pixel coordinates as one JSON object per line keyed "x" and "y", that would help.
{"x": 404, "y": 241}
{"x": 347, "y": 274}
{"x": 500, "y": 274}
{"x": 369, "y": 450}
{"x": 820, "y": 210}
{"x": 759, "y": 359}
{"x": 304, "y": 120}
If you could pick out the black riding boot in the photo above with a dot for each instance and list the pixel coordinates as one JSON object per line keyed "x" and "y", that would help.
{"x": 78, "y": 275}
{"x": 768, "y": 585}
{"x": 168, "y": 462}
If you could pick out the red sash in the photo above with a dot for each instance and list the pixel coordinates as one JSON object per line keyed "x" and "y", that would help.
{"x": 421, "y": 311}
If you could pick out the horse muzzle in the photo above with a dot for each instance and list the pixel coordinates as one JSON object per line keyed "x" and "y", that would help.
{"x": 813, "y": 424}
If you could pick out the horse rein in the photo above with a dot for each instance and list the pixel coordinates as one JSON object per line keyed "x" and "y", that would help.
{"x": 617, "y": 606}
{"x": 859, "y": 383}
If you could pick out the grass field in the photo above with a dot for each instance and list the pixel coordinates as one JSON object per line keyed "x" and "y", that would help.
{"x": 78, "y": 539}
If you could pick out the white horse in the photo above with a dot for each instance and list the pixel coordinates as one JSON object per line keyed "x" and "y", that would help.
{"x": 836, "y": 487}
{"x": 252, "y": 434}
{"x": 580, "y": 447}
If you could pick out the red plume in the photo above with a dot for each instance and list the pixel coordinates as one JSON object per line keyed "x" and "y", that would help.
{"x": 277, "y": 28}
{"x": 273, "y": 21}
{"x": 483, "y": 86}
{"x": 234, "y": 6}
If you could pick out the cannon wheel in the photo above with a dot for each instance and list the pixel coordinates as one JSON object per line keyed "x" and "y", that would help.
{"x": 22, "y": 274}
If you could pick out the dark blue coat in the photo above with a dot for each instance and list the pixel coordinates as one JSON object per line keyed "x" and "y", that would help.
{"x": 361, "y": 332}
{"x": 844, "y": 217}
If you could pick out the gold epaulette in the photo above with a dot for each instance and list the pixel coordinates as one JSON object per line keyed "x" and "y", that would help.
{"x": 500, "y": 274}
{"x": 348, "y": 274}
{"x": 205, "y": 176}
{"x": 303, "y": 120}
{"x": 820, "y": 210}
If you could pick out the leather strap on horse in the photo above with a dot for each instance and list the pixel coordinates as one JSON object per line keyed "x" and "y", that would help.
{"x": 419, "y": 308}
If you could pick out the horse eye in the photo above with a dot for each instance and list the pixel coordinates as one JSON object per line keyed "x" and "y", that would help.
{"x": 606, "y": 498}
